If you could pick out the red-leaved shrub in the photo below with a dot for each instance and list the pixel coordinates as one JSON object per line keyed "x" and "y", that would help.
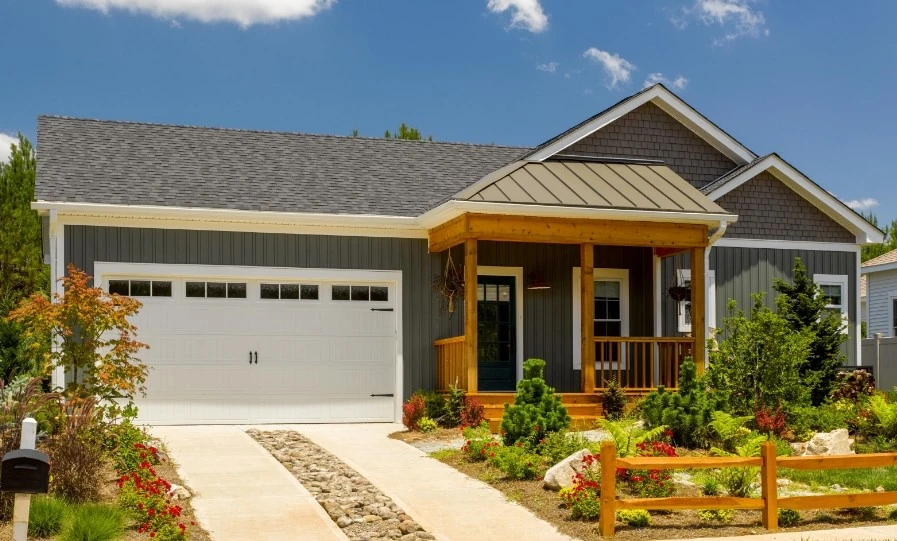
{"x": 413, "y": 410}
{"x": 473, "y": 413}
{"x": 769, "y": 421}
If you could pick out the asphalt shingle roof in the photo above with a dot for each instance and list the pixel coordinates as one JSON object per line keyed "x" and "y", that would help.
{"x": 883, "y": 259}
{"x": 94, "y": 161}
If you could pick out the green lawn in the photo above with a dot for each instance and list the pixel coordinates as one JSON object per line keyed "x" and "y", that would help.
{"x": 869, "y": 478}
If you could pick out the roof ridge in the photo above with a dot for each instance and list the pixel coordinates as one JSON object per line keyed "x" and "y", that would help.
{"x": 276, "y": 132}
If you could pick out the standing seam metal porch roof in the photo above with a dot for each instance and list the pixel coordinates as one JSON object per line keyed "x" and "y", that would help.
{"x": 631, "y": 186}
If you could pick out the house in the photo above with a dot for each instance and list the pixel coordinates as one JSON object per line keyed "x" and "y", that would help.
{"x": 880, "y": 274}
{"x": 289, "y": 277}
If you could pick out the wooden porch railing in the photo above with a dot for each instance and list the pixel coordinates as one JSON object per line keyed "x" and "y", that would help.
{"x": 640, "y": 363}
{"x": 450, "y": 367}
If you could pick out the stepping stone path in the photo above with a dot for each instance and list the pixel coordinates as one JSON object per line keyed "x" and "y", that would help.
{"x": 362, "y": 511}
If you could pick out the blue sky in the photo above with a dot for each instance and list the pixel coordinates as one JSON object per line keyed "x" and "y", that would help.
{"x": 812, "y": 80}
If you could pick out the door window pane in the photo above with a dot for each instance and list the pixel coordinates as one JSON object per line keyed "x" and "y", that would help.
{"x": 196, "y": 289}
{"x": 216, "y": 290}
{"x": 481, "y": 292}
{"x": 140, "y": 288}
{"x": 340, "y": 293}
{"x": 608, "y": 308}
{"x": 118, "y": 287}
{"x": 161, "y": 289}
{"x": 361, "y": 293}
{"x": 309, "y": 292}
{"x": 379, "y": 293}
{"x": 236, "y": 291}
{"x": 269, "y": 291}
{"x": 289, "y": 291}
{"x": 491, "y": 292}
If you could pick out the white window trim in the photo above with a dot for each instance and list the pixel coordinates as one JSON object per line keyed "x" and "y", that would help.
{"x": 684, "y": 275}
{"x": 837, "y": 280}
{"x": 517, "y": 274}
{"x": 599, "y": 274}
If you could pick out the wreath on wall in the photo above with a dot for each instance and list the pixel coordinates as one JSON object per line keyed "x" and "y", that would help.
{"x": 449, "y": 284}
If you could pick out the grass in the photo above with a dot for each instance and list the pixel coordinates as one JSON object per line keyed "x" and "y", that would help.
{"x": 442, "y": 454}
{"x": 869, "y": 478}
{"x": 95, "y": 522}
{"x": 47, "y": 516}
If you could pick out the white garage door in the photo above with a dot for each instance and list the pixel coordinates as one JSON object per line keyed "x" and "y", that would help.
{"x": 228, "y": 349}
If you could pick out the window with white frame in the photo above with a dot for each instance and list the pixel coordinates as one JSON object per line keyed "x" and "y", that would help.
{"x": 834, "y": 289}
{"x": 683, "y": 278}
{"x": 894, "y": 316}
{"x": 611, "y": 317}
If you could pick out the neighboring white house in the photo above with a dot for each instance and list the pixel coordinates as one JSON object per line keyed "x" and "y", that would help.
{"x": 880, "y": 308}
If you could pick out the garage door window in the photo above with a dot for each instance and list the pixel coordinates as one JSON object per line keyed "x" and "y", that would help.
{"x": 216, "y": 290}
{"x": 140, "y": 288}
{"x": 360, "y": 293}
{"x": 307, "y": 292}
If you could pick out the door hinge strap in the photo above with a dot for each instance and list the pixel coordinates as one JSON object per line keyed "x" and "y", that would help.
{"x": 389, "y": 394}
{"x": 381, "y": 309}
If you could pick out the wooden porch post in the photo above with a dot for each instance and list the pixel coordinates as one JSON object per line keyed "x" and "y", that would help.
{"x": 698, "y": 319}
{"x": 587, "y": 306}
{"x": 471, "y": 355}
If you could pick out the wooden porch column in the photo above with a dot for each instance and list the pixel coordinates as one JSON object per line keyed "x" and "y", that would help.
{"x": 471, "y": 355}
{"x": 587, "y": 298}
{"x": 698, "y": 318}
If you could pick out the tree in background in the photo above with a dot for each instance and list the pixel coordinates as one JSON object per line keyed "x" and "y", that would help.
{"x": 803, "y": 305}
{"x": 22, "y": 270}
{"x": 874, "y": 250}
{"x": 406, "y": 132}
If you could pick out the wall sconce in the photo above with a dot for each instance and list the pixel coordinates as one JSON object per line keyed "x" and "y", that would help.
{"x": 537, "y": 281}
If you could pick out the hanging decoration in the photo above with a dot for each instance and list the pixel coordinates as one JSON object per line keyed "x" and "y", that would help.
{"x": 450, "y": 284}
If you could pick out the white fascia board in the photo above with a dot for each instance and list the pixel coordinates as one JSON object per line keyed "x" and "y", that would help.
{"x": 231, "y": 220}
{"x": 866, "y": 233}
{"x": 452, "y": 209}
{"x": 670, "y": 103}
{"x": 787, "y": 245}
{"x": 872, "y": 269}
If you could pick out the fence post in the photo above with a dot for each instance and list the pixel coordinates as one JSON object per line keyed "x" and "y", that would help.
{"x": 608, "y": 514}
{"x": 768, "y": 487}
{"x": 878, "y": 337}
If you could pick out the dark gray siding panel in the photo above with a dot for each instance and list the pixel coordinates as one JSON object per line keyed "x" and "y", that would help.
{"x": 422, "y": 319}
{"x": 741, "y": 272}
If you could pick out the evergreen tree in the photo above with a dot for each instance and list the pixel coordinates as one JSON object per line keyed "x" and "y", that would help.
{"x": 803, "y": 305}
{"x": 22, "y": 271}
{"x": 406, "y": 132}
{"x": 874, "y": 250}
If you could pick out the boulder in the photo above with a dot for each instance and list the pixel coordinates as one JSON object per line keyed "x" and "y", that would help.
{"x": 836, "y": 442}
{"x": 561, "y": 474}
{"x": 177, "y": 492}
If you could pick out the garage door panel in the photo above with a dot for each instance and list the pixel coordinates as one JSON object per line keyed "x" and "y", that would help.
{"x": 192, "y": 380}
{"x": 362, "y": 349}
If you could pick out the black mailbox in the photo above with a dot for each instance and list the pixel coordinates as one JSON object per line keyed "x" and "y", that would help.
{"x": 25, "y": 471}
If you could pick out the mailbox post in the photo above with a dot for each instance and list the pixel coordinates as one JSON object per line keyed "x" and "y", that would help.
{"x": 24, "y": 471}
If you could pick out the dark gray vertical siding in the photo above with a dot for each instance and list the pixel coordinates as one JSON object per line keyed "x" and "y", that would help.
{"x": 422, "y": 320}
{"x": 741, "y": 272}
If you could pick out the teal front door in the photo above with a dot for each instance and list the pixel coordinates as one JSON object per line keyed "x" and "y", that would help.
{"x": 497, "y": 332}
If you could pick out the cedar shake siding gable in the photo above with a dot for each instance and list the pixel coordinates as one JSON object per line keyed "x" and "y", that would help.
{"x": 768, "y": 209}
{"x": 650, "y": 132}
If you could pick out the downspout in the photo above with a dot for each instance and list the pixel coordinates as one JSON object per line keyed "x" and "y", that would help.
{"x": 711, "y": 240}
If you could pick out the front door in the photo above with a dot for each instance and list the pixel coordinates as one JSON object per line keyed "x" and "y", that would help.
{"x": 497, "y": 332}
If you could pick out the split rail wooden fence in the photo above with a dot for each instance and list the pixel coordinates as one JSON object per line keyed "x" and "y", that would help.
{"x": 769, "y": 503}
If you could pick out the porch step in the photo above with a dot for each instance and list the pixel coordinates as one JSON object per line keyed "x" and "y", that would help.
{"x": 577, "y": 422}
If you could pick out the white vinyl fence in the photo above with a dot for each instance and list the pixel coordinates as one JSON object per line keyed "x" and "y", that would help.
{"x": 881, "y": 355}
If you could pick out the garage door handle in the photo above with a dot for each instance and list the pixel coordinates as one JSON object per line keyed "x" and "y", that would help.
{"x": 381, "y": 309}
{"x": 256, "y": 357}
{"x": 390, "y": 394}
{"x": 250, "y": 357}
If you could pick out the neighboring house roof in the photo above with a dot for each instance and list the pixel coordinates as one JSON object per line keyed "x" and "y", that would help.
{"x": 803, "y": 186}
{"x": 883, "y": 262}
{"x": 126, "y": 163}
{"x": 864, "y": 286}
{"x": 666, "y": 100}
{"x": 596, "y": 184}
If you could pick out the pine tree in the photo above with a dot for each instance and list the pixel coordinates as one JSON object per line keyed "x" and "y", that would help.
{"x": 804, "y": 307}
{"x": 407, "y": 133}
{"x": 872, "y": 251}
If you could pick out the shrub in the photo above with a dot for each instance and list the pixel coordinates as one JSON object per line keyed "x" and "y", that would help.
{"x": 478, "y": 440}
{"x": 687, "y": 413}
{"x": 856, "y": 386}
{"x": 716, "y": 515}
{"x": 434, "y": 404}
{"x": 883, "y": 416}
{"x": 710, "y": 486}
{"x": 146, "y": 495}
{"x": 583, "y": 498}
{"x": 559, "y": 445}
{"x": 76, "y": 454}
{"x": 473, "y": 413}
{"x": 536, "y": 412}
{"x": 759, "y": 362}
{"x": 516, "y": 462}
{"x": 804, "y": 421}
{"x": 892, "y": 515}
{"x": 789, "y": 517}
{"x": 769, "y": 421}
{"x": 425, "y": 424}
{"x": 650, "y": 483}
{"x": 413, "y": 410}
{"x": 637, "y": 518}
{"x": 454, "y": 403}
{"x": 95, "y": 522}
{"x": 46, "y": 516}
{"x": 120, "y": 440}
{"x": 736, "y": 440}
{"x": 613, "y": 401}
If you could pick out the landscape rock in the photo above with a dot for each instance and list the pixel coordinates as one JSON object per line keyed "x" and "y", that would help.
{"x": 879, "y": 488}
{"x": 561, "y": 474}
{"x": 836, "y": 442}
{"x": 177, "y": 492}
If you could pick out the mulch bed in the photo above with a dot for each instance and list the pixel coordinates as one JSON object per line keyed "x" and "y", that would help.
{"x": 670, "y": 525}
{"x": 414, "y": 436}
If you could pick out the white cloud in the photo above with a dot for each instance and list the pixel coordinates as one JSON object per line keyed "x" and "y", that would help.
{"x": 737, "y": 16}
{"x": 862, "y": 204}
{"x": 242, "y": 12}
{"x": 550, "y": 67}
{"x": 679, "y": 83}
{"x": 616, "y": 67}
{"x": 527, "y": 14}
{"x": 5, "y": 141}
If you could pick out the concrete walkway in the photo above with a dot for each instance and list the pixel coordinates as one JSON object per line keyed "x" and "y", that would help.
{"x": 447, "y": 503}
{"x": 240, "y": 491}
{"x": 843, "y": 534}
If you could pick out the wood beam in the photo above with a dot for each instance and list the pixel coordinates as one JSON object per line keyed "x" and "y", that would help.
{"x": 698, "y": 318}
{"x": 587, "y": 307}
{"x": 451, "y": 233}
{"x": 471, "y": 355}
{"x": 667, "y": 252}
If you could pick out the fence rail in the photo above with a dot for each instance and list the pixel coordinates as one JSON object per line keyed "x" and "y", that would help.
{"x": 640, "y": 363}
{"x": 768, "y": 503}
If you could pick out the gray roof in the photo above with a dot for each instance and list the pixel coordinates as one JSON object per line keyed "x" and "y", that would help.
{"x": 94, "y": 161}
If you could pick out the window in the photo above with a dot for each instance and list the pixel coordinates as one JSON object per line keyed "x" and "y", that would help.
{"x": 216, "y": 290}
{"x": 683, "y": 278}
{"x": 894, "y": 317}
{"x": 611, "y": 318}
{"x": 358, "y": 293}
{"x": 289, "y": 291}
{"x": 140, "y": 288}
{"x": 834, "y": 289}
{"x": 608, "y": 308}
